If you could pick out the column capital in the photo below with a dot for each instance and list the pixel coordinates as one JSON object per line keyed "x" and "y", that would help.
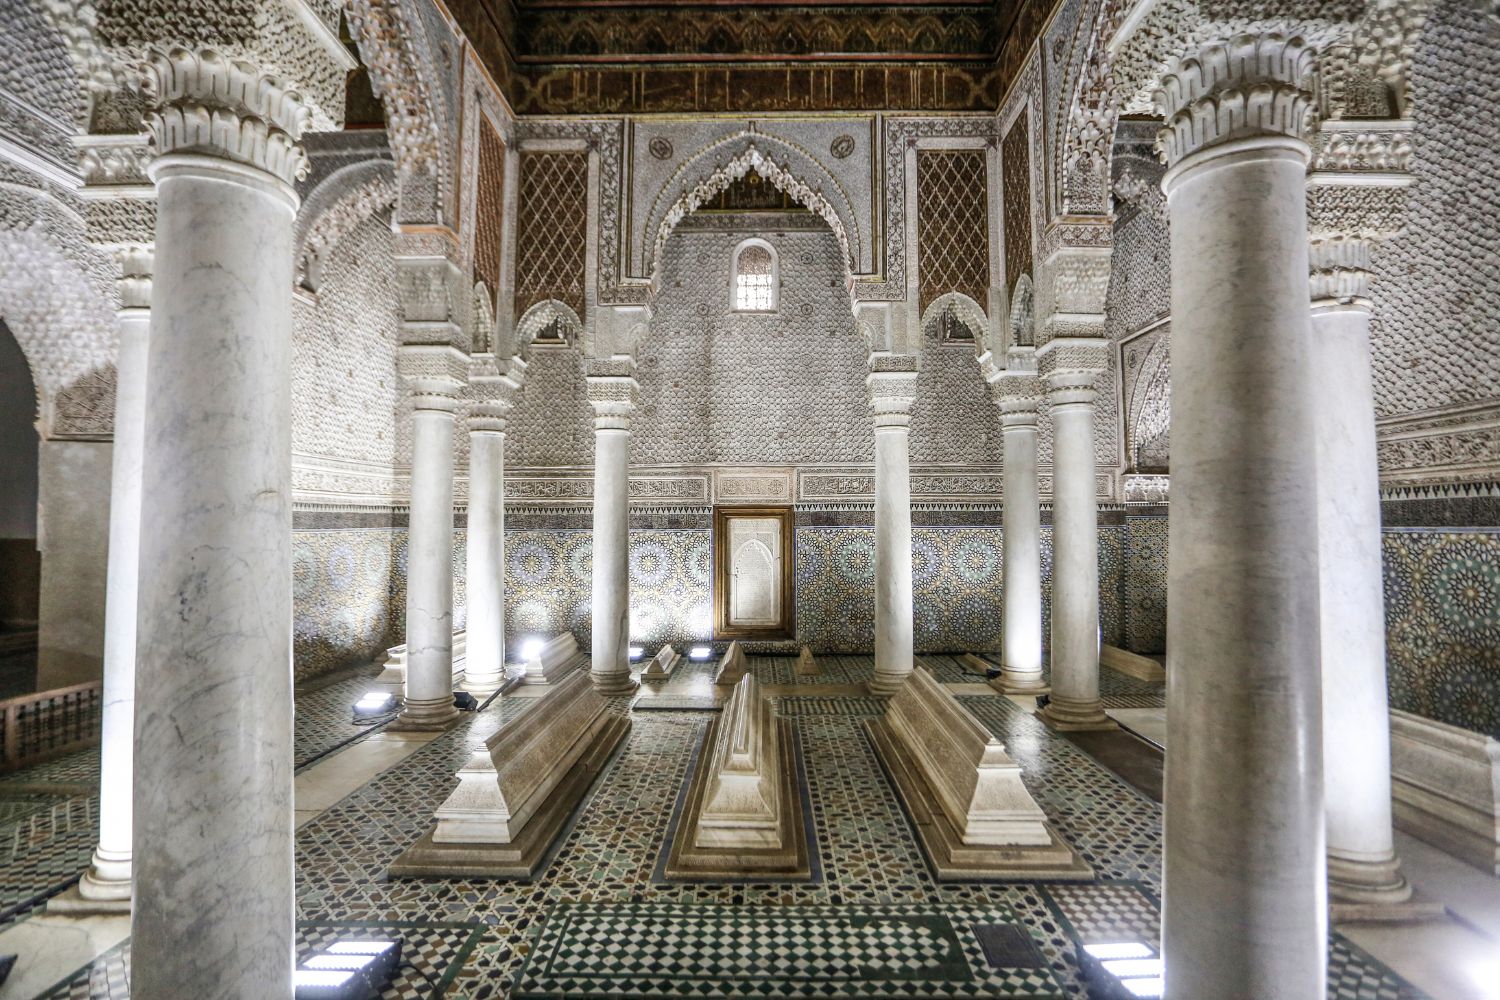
{"x": 134, "y": 282}
{"x": 1251, "y": 85}
{"x": 490, "y": 394}
{"x": 611, "y": 392}
{"x": 1339, "y": 271}
{"x": 893, "y": 389}
{"x": 1018, "y": 394}
{"x": 203, "y": 102}
{"x": 434, "y": 373}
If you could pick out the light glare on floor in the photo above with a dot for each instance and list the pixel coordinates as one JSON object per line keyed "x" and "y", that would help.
{"x": 636, "y": 652}
{"x": 1133, "y": 968}
{"x": 1118, "y": 949}
{"x": 1153, "y": 987}
{"x": 320, "y": 977}
{"x": 531, "y": 648}
{"x": 357, "y": 947}
{"x": 1485, "y": 974}
{"x": 351, "y": 963}
{"x": 700, "y": 652}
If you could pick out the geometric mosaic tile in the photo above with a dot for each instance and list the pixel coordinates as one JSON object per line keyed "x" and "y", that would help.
{"x": 673, "y": 950}
{"x": 871, "y": 862}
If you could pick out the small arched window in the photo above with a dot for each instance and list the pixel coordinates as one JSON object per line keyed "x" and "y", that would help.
{"x": 755, "y": 283}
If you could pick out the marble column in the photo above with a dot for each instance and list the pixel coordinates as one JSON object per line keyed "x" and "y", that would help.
{"x": 1362, "y": 863}
{"x": 612, "y": 393}
{"x": 490, "y": 395}
{"x": 435, "y": 374}
{"x": 1018, "y": 393}
{"x": 213, "y": 909}
{"x": 1071, "y": 366}
{"x": 893, "y": 385}
{"x": 1244, "y": 905}
{"x": 105, "y": 886}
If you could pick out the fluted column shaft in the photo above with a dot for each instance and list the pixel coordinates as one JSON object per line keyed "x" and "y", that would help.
{"x": 1018, "y": 394}
{"x": 1074, "y": 649}
{"x": 107, "y": 881}
{"x": 613, "y": 399}
{"x": 1244, "y": 910}
{"x": 1362, "y": 863}
{"x": 428, "y": 701}
{"x": 213, "y": 907}
{"x": 891, "y": 398}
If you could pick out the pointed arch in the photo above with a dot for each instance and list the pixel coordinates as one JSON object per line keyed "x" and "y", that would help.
{"x": 341, "y": 201}
{"x": 965, "y": 310}
{"x": 719, "y": 164}
{"x": 550, "y": 321}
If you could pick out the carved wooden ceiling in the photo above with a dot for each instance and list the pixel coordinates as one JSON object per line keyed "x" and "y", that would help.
{"x": 624, "y": 56}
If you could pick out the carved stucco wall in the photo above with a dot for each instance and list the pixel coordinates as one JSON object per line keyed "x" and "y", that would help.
{"x": 780, "y": 388}
{"x": 1437, "y": 317}
{"x": 347, "y": 401}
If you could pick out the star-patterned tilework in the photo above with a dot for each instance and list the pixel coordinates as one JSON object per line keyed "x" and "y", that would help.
{"x": 872, "y": 866}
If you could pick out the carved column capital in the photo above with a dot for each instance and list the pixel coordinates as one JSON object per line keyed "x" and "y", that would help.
{"x": 1017, "y": 390}
{"x": 134, "y": 283}
{"x": 611, "y": 392}
{"x": 1249, "y": 86}
{"x": 1339, "y": 271}
{"x": 1070, "y": 367}
{"x": 435, "y": 375}
{"x": 490, "y": 394}
{"x": 202, "y": 101}
{"x": 893, "y": 389}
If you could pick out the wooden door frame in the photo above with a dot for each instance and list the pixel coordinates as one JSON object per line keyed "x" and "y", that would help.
{"x": 787, "y": 627}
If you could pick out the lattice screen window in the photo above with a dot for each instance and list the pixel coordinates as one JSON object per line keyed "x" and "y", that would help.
{"x": 489, "y": 208}
{"x": 754, "y": 278}
{"x": 552, "y": 232}
{"x": 953, "y": 242}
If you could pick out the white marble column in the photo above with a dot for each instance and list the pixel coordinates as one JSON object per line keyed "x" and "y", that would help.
{"x": 213, "y": 906}
{"x": 105, "y": 887}
{"x": 611, "y": 390}
{"x": 1362, "y": 863}
{"x": 1071, "y": 367}
{"x": 490, "y": 395}
{"x": 1018, "y": 393}
{"x": 435, "y": 375}
{"x": 1244, "y": 907}
{"x": 893, "y": 384}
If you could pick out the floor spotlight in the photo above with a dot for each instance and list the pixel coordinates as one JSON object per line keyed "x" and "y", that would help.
{"x": 636, "y": 652}
{"x": 347, "y": 970}
{"x": 465, "y": 702}
{"x": 1119, "y": 970}
{"x": 374, "y": 706}
{"x": 700, "y": 652}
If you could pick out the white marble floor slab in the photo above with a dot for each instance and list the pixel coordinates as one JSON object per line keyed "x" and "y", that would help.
{"x": 1149, "y": 724}
{"x": 337, "y": 777}
{"x": 1443, "y": 958}
{"x": 1469, "y": 893}
{"x": 51, "y": 947}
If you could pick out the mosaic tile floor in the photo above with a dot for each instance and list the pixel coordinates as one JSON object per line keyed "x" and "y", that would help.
{"x": 531, "y": 938}
{"x": 324, "y": 720}
{"x": 48, "y": 827}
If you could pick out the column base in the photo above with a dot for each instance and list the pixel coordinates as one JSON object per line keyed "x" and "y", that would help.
{"x": 1366, "y": 881}
{"x": 1075, "y": 716}
{"x": 885, "y": 685}
{"x": 614, "y": 685}
{"x": 426, "y": 715}
{"x": 104, "y": 888}
{"x": 1020, "y": 683}
{"x": 1374, "y": 890}
{"x": 482, "y": 686}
